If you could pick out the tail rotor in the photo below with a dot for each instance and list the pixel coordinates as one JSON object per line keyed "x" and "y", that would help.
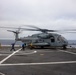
{"x": 16, "y": 33}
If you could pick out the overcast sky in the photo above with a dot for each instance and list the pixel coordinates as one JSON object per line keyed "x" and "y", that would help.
{"x": 50, "y": 14}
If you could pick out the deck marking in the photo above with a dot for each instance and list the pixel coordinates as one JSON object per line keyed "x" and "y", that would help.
{"x": 42, "y": 63}
{"x": 2, "y": 73}
{"x": 68, "y": 52}
{"x": 42, "y": 54}
{"x": 4, "y": 54}
{"x": 20, "y": 53}
{"x": 47, "y": 51}
{"x": 9, "y": 56}
{"x": 27, "y": 53}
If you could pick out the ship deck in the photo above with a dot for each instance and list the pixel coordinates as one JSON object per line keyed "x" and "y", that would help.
{"x": 37, "y": 61}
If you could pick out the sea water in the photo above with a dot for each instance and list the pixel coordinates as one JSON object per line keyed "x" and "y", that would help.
{"x": 71, "y": 43}
{"x": 9, "y": 42}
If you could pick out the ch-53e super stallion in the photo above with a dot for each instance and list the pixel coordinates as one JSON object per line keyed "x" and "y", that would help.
{"x": 47, "y": 38}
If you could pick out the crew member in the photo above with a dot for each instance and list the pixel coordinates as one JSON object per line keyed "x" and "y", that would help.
{"x": 12, "y": 48}
{"x": 31, "y": 46}
{"x": 23, "y": 46}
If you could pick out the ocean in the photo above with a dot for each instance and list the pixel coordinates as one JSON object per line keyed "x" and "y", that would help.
{"x": 72, "y": 43}
{"x": 9, "y": 42}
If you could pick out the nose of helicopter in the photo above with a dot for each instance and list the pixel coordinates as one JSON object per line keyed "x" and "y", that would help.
{"x": 65, "y": 42}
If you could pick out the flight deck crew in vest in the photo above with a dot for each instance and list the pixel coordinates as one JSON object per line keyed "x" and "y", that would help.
{"x": 23, "y": 46}
{"x": 13, "y": 44}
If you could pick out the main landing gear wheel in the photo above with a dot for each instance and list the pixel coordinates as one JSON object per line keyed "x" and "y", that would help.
{"x": 64, "y": 47}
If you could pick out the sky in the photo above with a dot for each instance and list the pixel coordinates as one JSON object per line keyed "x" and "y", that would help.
{"x": 48, "y": 14}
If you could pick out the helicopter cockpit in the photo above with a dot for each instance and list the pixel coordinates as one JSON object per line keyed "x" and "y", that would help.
{"x": 61, "y": 39}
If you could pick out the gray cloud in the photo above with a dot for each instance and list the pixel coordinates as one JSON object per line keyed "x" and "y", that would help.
{"x": 53, "y": 14}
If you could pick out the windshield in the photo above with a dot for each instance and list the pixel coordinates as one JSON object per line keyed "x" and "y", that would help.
{"x": 61, "y": 38}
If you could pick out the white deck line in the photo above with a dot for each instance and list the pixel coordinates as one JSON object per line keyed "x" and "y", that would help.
{"x": 68, "y": 52}
{"x": 2, "y": 73}
{"x": 43, "y": 63}
{"x": 20, "y": 53}
{"x": 9, "y": 56}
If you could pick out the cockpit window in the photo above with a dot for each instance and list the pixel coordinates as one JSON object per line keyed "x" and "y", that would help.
{"x": 61, "y": 38}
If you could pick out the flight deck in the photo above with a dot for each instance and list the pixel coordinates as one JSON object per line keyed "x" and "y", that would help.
{"x": 37, "y": 62}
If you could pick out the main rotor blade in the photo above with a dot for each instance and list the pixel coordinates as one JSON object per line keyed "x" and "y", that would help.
{"x": 20, "y": 28}
{"x": 39, "y": 29}
{"x": 29, "y": 29}
{"x": 32, "y": 26}
{"x": 49, "y": 30}
{"x": 70, "y": 30}
{"x": 9, "y": 27}
{"x": 17, "y": 29}
{"x": 11, "y": 31}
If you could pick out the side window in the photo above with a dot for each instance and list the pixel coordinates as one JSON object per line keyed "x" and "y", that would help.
{"x": 52, "y": 39}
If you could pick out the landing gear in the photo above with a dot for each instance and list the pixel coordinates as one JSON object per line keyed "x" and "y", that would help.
{"x": 64, "y": 47}
{"x": 42, "y": 47}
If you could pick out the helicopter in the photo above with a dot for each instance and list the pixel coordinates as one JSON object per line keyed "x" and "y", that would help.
{"x": 47, "y": 38}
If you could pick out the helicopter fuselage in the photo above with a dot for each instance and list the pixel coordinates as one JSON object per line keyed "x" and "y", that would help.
{"x": 45, "y": 39}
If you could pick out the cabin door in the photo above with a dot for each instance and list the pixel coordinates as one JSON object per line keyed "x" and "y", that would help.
{"x": 52, "y": 40}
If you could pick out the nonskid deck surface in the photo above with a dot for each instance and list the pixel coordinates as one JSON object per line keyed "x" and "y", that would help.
{"x": 37, "y": 62}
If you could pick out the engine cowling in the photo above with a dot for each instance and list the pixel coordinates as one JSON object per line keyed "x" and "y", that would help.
{"x": 44, "y": 36}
